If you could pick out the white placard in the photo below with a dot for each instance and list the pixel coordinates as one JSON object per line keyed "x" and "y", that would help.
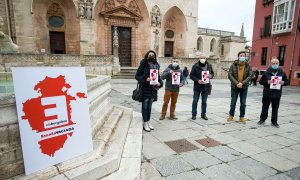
{"x": 275, "y": 82}
{"x": 153, "y": 76}
{"x": 205, "y": 77}
{"x": 175, "y": 78}
{"x": 53, "y": 114}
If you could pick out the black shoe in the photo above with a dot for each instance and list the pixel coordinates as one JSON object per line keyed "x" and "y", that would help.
{"x": 260, "y": 122}
{"x": 193, "y": 117}
{"x": 275, "y": 125}
{"x": 203, "y": 116}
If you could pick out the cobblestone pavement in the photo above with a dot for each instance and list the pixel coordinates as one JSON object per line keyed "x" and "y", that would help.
{"x": 215, "y": 149}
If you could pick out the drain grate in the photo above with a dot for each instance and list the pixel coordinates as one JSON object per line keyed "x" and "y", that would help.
{"x": 181, "y": 145}
{"x": 208, "y": 142}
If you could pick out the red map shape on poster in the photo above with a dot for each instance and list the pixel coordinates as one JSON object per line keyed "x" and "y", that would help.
{"x": 34, "y": 111}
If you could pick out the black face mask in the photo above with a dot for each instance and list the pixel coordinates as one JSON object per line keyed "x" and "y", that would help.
{"x": 151, "y": 58}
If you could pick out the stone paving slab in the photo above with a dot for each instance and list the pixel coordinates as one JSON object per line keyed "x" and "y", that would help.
{"x": 288, "y": 153}
{"x": 225, "y": 153}
{"x": 265, "y": 144}
{"x": 187, "y": 133}
{"x": 281, "y": 140}
{"x": 171, "y": 165}
{"x": 200, "y": 159}
{"x": 190, "y": 175}
{"x": 294, "y": 173}
{"x": 224, "y": 172}
{"x": 167, "y": 135}
{"x": 253, "y": 168}
{"x": 224, "y": 138}
{"x": 292, "y": 135}
{"x": 278, "y": 177}
{"x": 155, "y": 150}
{"x": 275, "y": 161}
{"x": 246, "y": 148}
{"x": 243, "y": 135}
{"x": 296, "y": 147}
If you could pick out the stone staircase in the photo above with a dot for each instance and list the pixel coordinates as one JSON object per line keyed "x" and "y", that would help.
{"x": 117, "y": 142}
{"x": 126, "y": 73}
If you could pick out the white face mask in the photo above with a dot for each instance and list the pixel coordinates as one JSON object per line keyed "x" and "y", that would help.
{"x": 202, "y": 61}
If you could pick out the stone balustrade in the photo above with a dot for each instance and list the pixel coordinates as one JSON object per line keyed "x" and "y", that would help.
{"x": 94, "y": 64}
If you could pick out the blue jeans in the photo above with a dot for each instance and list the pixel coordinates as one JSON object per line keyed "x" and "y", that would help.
{"x": 196, "y": 97}
{"x": 235, "y": 92}
{"x": 146, "y": 108}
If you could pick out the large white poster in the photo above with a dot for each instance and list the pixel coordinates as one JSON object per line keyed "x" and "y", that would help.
{"x": 53, "y": 114}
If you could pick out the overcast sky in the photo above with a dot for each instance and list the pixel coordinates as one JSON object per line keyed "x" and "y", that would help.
{"x": 227, "y": 15}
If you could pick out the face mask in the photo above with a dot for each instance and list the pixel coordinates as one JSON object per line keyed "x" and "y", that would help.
{"x": 174, "y": 65}
{"x": 274, "y": 66}
{"x": 202, "y": 61}
{"x": 242, "y": 59}
{"x": 151, "y": 58}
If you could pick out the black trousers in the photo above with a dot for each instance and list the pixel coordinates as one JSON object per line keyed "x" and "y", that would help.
{"x": 265, "y": 109}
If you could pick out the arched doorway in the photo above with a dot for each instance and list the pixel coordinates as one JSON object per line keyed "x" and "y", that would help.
{"x": 128, "y": 19}
{"x": 56, "y": 27}
{"x": 174, "y": 27}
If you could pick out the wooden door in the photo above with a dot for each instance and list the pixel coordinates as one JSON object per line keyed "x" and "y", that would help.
{"x": 57, "y": 43}
{"x": 124, "y": 46}
{"x": 169, "y": 45}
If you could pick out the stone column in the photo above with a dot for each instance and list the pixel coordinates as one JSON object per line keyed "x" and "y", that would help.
{"x": 116, "y": 63}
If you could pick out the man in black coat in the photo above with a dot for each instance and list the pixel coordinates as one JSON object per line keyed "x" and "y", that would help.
{"x": 270, "y": 94}
{"x": 200, "y": 86}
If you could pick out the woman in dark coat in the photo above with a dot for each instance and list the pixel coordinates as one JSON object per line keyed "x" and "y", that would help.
{"x": 149, "y": 91}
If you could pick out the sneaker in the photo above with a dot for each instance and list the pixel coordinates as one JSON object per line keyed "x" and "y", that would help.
{"x": 230, "y": 118}
{"x": 203, "y": 116}
{"x": 173, "y": 118}
{"x": 193, "y": 117}
{"x": 150, "y": 126}
{"x": 275, "y": 125}
{"x": 260, "y": 122}
{"x": 242, "y": 120}
{"x": 161, "y": 118}
{"x": 146, "y": 127}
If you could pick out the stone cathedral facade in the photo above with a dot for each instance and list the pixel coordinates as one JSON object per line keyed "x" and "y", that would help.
{"x": 127, "y": 28}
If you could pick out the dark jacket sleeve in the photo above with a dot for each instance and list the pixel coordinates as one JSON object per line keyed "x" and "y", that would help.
{"x": 285, "y": 79}
{"x": 160, "y": 81}
{"x": 211, "y": 72}
{"x": 165, "y": 74}
{"x": 263, "y": 80}
{"x": 140, "y": 75}
{"x": 248, "y": 79}
{"x": 193, "y": 74}
{"x": 231, "y": 76}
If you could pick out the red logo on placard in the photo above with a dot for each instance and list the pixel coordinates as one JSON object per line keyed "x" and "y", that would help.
{"x": 50, "y": 113}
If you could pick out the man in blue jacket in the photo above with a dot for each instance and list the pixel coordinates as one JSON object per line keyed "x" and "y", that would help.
{"x": 272, "y": 95}
{"x": 200, "y": 85}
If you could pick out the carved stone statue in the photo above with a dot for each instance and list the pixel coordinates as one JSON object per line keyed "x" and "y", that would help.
{"x": 155, "y": 17}
{"x": 6, "y": 44}
{"x": 81, "y": 9}
{"x": 89, "y": 10}
{"x": 156, "y": 40}
{"x": 115, "y": 41}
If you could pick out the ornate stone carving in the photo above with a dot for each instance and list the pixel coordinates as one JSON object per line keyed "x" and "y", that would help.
{"x": 156, "y": 41}
{"x": 170, "y": 23}
{"x": 122, "y": 1}
{"x": 109, "y": 4}
{"x": 81, "y": 9}
{"x": 85, "y": 9}
{"x": 55, "y": 10}
{"x": 115, "y": 37}
{"x": 6, "y": 44}
{"x": 155, "y": 17}
{"x": 134, "y": 7}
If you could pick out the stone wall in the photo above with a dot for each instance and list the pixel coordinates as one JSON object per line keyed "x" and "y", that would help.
{"x": 11, "y": 159}
{"x": 99, "y": 65}
{"x": 220, "y": 67}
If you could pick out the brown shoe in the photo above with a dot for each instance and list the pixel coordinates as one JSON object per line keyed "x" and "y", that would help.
{"x": 242, "y": 120}
{"x": 173, "y": 118}
{"x": 230, "y": 118}
{"x": 161, "y": 118}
